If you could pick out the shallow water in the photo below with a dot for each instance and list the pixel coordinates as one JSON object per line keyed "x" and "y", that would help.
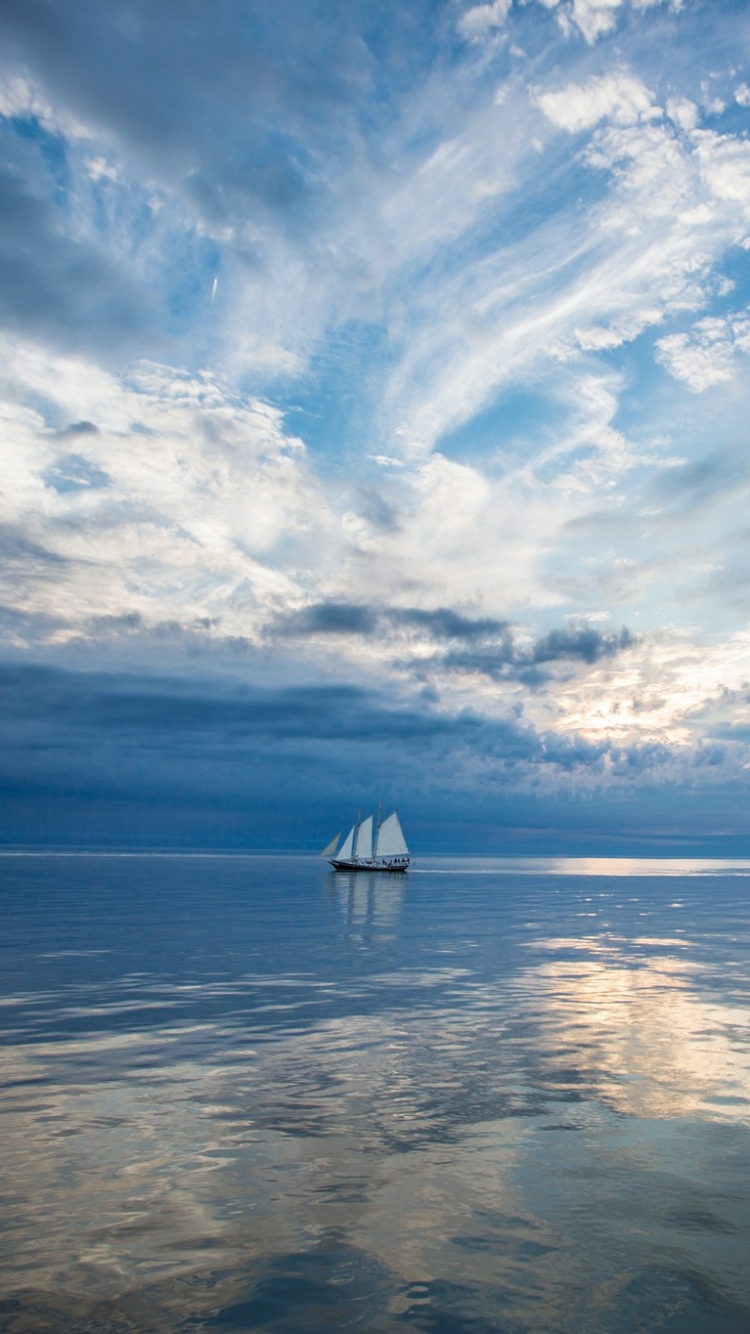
{"x": 245, "y": 1093}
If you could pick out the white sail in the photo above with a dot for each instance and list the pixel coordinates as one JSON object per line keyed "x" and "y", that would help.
{"x": 364, "y": 838}
{"x": 391, "y": 841}
{"x": 346, "y": 847}
{"x": 331, "y": 847}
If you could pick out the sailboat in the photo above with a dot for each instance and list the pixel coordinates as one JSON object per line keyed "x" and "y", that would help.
{"x": 382, "y": 848}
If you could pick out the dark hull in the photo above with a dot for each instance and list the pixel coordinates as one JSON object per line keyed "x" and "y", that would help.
{"x": 370, "y": 864}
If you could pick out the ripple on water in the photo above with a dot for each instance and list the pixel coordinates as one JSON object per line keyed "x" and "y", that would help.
{"x": 252, "y": 1095}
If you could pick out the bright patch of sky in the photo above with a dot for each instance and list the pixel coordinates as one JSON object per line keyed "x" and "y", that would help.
{"x": 402, "y": 350}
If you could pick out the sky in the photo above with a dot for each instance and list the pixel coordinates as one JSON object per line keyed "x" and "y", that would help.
{"x": 375, "y": 393}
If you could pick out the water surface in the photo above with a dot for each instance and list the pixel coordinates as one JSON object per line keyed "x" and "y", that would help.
{"x": 247, "y": 1093}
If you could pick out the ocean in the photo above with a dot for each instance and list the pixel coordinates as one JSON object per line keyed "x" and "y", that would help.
{"x": 495, "y": 1095}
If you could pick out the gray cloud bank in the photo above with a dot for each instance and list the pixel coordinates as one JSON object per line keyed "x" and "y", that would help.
{"x": 136, "y": 759}
{"x": 491, "y": 647}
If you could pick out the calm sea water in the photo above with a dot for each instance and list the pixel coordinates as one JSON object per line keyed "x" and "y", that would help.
{"x": 245, "y": 1093}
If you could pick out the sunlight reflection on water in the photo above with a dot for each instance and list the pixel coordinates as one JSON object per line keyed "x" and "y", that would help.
{"x": 589, "y": 866}
{"x": 252, "y": 1094}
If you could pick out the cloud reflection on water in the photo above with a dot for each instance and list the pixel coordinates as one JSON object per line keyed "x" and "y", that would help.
{"x": 454, "y": 1149}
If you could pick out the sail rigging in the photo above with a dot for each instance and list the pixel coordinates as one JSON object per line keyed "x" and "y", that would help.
{"x": 364, "y": 841}
{"x": 367, "y": 848}
{"x": 391, "y": 841}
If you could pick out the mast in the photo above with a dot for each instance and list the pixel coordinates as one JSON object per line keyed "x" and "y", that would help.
{"x": 356, "y": 834}
{"x": 364, "y": 842}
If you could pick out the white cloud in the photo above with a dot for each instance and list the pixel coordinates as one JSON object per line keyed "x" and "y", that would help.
{"x": 700, "y": 362}
{"x": 21, "y": 97}
{"x": 594, "y": 18}
{"x": 198, "y": 490}
{"x": 724, "y": 162}
{"x": 683, "y": 112}
{"x": 657, "y": 692}
{"x": 591, "y": 18}
{"x": 586, "y": 278}
{"x": 204, "y": 508}
{"x": 742, "y": 95}
{"x": 705, "y": 356}
{"x": 479, "y": 21}
{"x": 619, "y": 97}
{"x": 101, "y": 170}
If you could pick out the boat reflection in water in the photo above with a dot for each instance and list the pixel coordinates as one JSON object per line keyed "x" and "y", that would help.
{"x": 369, "y": 899}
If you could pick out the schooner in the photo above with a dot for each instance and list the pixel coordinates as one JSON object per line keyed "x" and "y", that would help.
{"x": 370, "y": 845}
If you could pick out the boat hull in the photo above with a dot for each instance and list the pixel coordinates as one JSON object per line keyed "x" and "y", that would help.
{"x": 397, "y": 865}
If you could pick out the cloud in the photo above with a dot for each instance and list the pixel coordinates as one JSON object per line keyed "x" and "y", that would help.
{"x": 71, "y": 732}
{"x": 61, "y": 288}
{"x": 245, "y": 264}
{"x": 445, "y": 623}
{"x": 705, "y": 357}
{"x": 480, "y": 20}
{"x": 170, "y": 506}
{"x": 78, "y": 428}
{"x": 592, "y": 19}
{"x": 618, "y": 97}
{"x": 690, "y": 486}
{"x": 516, "y": 657}
{"x": 640, "y": 250}
{"x": 585, "y": 643}
{"x": 333, "y": 618}
{"x": 359, "y": 619}
{"x": 96, "y": 756}
{"x": 20, "y": 552}
{"x": 491, "y": 647}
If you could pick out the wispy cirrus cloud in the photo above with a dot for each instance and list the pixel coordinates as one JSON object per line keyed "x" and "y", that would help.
{"x": 404, "y": 348}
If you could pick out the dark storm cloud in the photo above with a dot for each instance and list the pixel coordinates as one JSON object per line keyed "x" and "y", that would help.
{"x": 139, "y": 709}
{"x": 487, "y": 645}
{"x": 56, "y": 718}
{"x": 444, "y": 623}
{"x": 586, "y": 644}
{"x": 110, "y": 757}
{"x": 332, "y": 618}
{"x": 51, "y": 714}
{"x": 530, "y": 663}
{"x": 76, "y": 429}
{"x": 360, "y": 619}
